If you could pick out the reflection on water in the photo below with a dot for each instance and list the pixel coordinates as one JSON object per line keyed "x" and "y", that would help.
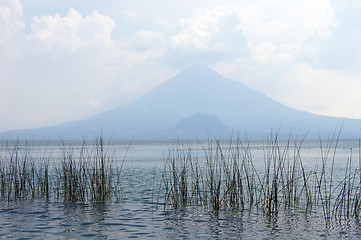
{"x": 39, "y": 219}
{"x": 136, "y": 216}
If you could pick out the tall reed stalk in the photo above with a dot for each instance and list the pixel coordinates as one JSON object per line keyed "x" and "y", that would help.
{"x": 89, "y": 175}
{"x": 223, "y": 174}
{"x": 19, "y": 176}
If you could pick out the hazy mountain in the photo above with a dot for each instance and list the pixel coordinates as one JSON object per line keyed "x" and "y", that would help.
{"x": 200, "y": 126}
{"x": 197, "y": 89}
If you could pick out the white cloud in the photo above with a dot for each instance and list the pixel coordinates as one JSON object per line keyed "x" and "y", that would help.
{"x": 72, "y": 31}
{"x": 275, "y": 30}
{"x": 282, "y": 26}
{"x": 61, "y": 86}
{"x": 11, "y": 14}
{"x": 357, "y": 3}
{"x": 152, "y": 44}
{"x": 286, "y": 49}
{"x": 198, "y": 31}
{"x": 294, "y": 20}
{"x": 327, "y": 92}
{"x": 61, "y": 83}
{"x": 268, "y": 52}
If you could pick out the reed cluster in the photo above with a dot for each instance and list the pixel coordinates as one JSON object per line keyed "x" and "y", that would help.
{"x": 91, "y": 174}
{"x": 19, "y": 176}
{"x": 224, "y": 174}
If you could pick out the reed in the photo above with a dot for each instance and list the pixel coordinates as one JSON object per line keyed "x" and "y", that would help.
{"x": 17, "y": 172}
{"x": 223, "y": 174}
{"x": 217, "y": 174}
{"x": 180, "y": 167}
{"x": 91, "y": 174}
{"x": 220, "y": 178}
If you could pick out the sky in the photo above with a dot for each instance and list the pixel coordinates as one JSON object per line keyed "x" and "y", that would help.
{"x": 65, "y": 60}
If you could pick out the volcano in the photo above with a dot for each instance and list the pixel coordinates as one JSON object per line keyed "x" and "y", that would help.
{"x": 196, "y": 102}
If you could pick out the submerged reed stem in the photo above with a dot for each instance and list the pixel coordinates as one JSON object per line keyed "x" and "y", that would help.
{"x": 226, "y": 176}
{"x": 91, "y": 174}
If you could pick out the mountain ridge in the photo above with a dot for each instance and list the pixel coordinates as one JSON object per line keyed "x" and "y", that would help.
{"x": 196, "y": 89}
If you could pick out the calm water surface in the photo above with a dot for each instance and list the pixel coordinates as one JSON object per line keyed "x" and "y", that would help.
{"x": 137, "y": 215}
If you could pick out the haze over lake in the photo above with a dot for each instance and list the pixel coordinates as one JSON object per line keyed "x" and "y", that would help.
{"x": 141, "y": 211}
{"x": 184, "y": 119}
{"x": 197, "y": 103}
{"x": 66, "y": 61}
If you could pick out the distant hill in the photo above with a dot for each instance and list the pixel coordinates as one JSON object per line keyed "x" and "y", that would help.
{"x": 200, "y": 126}
{"x": 166, "y": 110}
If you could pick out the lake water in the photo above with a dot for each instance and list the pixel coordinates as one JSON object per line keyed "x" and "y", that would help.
{"x": 138, "y": 216}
